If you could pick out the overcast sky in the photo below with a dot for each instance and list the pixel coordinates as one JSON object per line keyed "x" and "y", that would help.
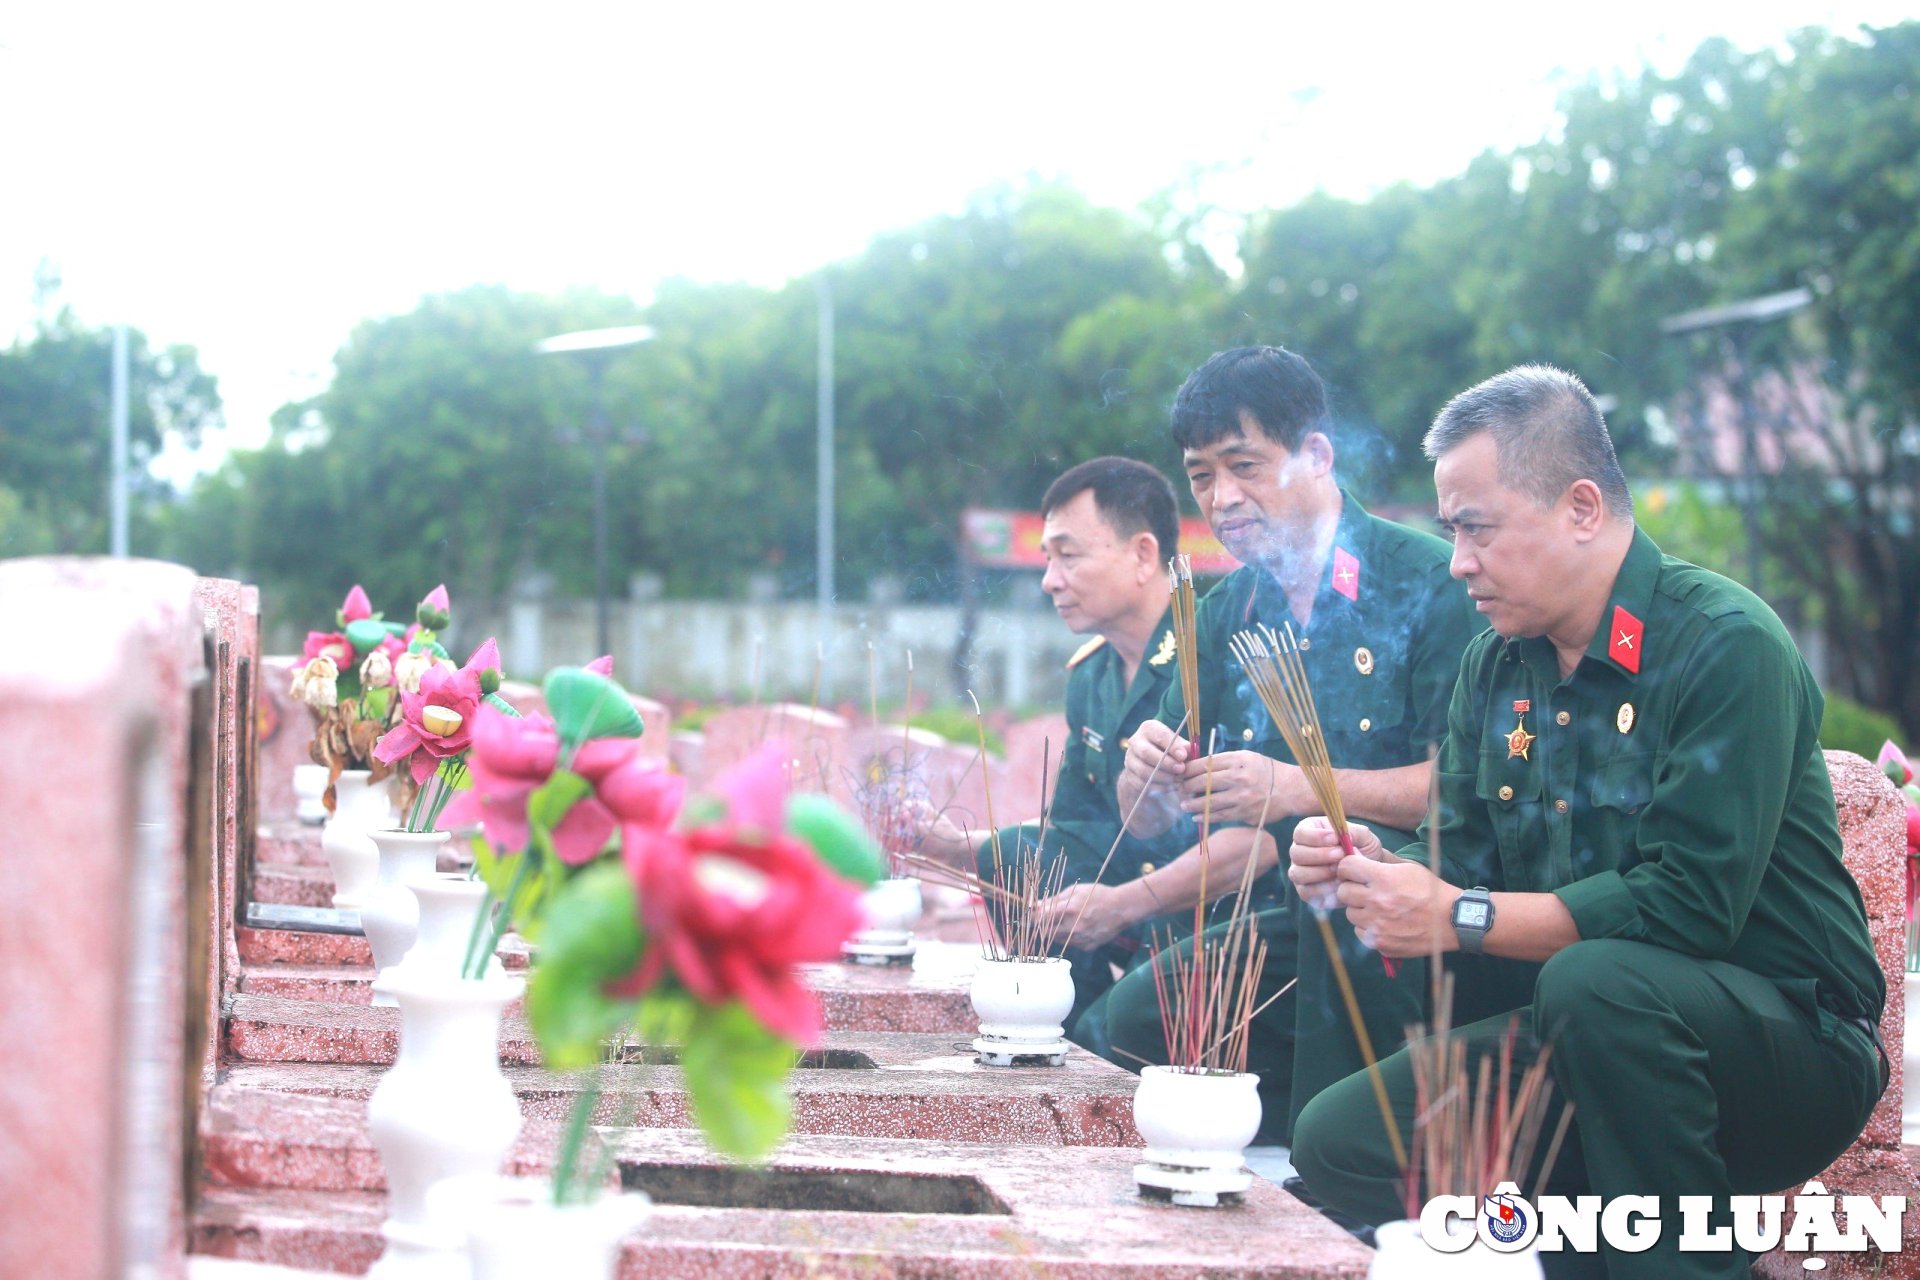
{"x": 256, "y": 178}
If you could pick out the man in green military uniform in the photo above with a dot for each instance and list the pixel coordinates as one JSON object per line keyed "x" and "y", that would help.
{"x": 1638, "y": 843}
{"x": 1381, "y": 629}
{"x": 1110, "y": 525}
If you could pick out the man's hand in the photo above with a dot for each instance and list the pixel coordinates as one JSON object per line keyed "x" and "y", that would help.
{"x": 1397, "y": 907}
{"x": 1245, "y": 785}
{"x": 1102, "y": 910}
{"x": 1148, "y": 787}
{"x": 931, "y": 832}
{"x": 1316, "y": 855}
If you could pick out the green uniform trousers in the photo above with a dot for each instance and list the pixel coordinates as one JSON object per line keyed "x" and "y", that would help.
{"x": 1687, "y": 1077}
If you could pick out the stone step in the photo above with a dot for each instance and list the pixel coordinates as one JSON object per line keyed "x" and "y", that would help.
{"x": 877, "y": 1084}
{"x": 873, "y": 1207}
{"x": 288, "y": 843}
{"x": 929, "y": 996}
{"x": 300, "y": 886}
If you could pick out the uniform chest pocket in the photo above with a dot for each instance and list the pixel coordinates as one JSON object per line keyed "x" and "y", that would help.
{"x": 1624, "y": 784}
{"x": 1512, "y": 791}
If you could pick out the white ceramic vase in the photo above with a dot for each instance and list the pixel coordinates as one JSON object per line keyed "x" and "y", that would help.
{"x": 1401, "y": 1254}
{"x": 390, "y": 916}
{"x": 1023, "y": 1001}
{"x": 449, "y": 904}
{"x": 892, "y": 907}
{"x": 1910, "y": 1057}
{"x": 514, "y": 1230}
{"x": 360, "y": 808}
{"x": 444, "y": 1110}
{"x": 309, "y": 794}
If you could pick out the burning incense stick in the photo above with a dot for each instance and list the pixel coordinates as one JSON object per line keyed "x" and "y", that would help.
{"x": 1273, "y": 665}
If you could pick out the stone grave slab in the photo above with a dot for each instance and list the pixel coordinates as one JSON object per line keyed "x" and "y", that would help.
{"x": 107, "y": 786}
{"x": 818, "y": 740}
{"x": 878, "y": 1084}
{"x": 822, "y": 1205}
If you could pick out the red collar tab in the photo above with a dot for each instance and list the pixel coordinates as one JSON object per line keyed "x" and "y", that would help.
{"x": 1623, "y": 641}
{"x": 1346, "y": 574}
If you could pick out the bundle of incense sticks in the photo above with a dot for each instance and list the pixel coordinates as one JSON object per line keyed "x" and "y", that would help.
{"x": 1272, "y": 663}
{"x": 1186, "y": 642}
{"x": 1473, "y": 1127}
{"x": 1206, "y": 997}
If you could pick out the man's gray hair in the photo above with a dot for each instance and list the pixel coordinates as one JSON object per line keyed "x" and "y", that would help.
{"x": 1547, "y": 433}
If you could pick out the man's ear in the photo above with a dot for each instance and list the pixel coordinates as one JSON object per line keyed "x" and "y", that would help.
{"x": 1586, "y": 508}
{"x": 1148, "y": 562}
{"x": 1317, "y": 451}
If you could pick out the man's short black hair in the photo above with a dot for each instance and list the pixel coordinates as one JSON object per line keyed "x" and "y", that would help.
{"x": 1131, "y": 497}
{"x": 1547, "y": 433}
{"x": 1276, "y": 387}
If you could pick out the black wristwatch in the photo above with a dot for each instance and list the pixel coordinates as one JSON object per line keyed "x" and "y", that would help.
{"x": 1472, "y": 917}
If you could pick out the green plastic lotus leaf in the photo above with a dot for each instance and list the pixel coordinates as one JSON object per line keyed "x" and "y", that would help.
{"x": 591, "y": 936}
{"x": 837, "y": 837}
{"x": 585, "y": 705}
{"x": 365, "y": 635}
{"x": 736, "y": 1072}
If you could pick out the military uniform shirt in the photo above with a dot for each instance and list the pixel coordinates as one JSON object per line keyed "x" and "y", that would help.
{"x": 1671, "y": 791}
{"x": 1381, "y": 651}
{"x": 1103, "y": 710}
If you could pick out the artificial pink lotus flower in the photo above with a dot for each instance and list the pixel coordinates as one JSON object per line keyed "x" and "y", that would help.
{"x": 635, "y": 789}
{"x": 602, "y": 666}
{"x": 356, "y": 606}
{"x": 511, "y": 758}
{"x": 437, "y": 722}
{"x": 435, "y": 609}
{"x": 329, "y": 644}
{"x": 733, "y": 908}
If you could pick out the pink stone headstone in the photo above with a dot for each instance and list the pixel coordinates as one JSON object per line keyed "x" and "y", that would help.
{"x": 285, "y": 729}
{"x": 106, "y": 835}
{"x": 656, "y": 743}
{"x": 1873, "y": 834}
{"x": 231, "y": 612}
{"x": 523, "y": 697}
{"x": 817, "y": 740}
{"x": 1033, "y": 762}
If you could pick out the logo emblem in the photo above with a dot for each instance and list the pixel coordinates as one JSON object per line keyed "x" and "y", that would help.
{"x": 1164, "y": 654}
{"x": 1505, "y": 1217}
{"x": 1363, "y": 660}
{"x": 1624, "y": 720}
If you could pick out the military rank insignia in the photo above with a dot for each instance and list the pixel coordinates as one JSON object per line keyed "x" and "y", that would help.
{"x": 1623, "y": 642}
{"x": 1520, "y": 742}
{"x": 1164, "y": 654}
{"x": 1095, "y": 741}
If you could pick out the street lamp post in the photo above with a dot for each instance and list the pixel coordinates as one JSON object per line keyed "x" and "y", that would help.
{"x": 598, "y": 346}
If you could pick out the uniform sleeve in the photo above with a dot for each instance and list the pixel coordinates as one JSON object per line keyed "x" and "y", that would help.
{"x": 1080, "y": 820}
{"x": 1706, "y": 833}
{"x": 1440, "y": 638}
{"x": 1469, "y": 848}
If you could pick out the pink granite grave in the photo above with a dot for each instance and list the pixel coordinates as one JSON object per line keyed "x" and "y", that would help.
{"x": 817, "y": 740}
{"x": 285, "y": 727}
{"x": 107, "y": 794}
{"x": 1033, "y": 749}
{"x": 821, "y": 1205}
{"x": 1873, "y": 830}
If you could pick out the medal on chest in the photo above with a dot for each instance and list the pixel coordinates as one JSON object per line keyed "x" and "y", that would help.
{"x": 1520, "y": 742}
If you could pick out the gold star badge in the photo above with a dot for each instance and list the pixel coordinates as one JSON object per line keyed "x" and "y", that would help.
{"x": 1520, "y": 741}
{"x": 1164, "y": 654}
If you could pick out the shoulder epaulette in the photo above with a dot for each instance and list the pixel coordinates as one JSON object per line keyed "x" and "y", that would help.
{"x": 1085, "y": 651}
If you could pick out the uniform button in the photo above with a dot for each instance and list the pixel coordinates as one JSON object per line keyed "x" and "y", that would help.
{"x": 1146, "y": 868}
{"x": 1305, "y": 643}
{"x": 1365, "y": 725}
{"x": 1506, "y": 793}
{"x": 1246, "y": 735}
{"x": 1565, "y": 717}
{"x": 1560, "y": 806}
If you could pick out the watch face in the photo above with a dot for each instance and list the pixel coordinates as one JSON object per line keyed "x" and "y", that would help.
{"x": 1470, "y": 913}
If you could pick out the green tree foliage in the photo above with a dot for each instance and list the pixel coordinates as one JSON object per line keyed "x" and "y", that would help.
{"x": 55, "y": 434}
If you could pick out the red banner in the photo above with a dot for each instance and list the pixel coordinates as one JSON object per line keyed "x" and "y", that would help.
{"x": 1011, "y": 540}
